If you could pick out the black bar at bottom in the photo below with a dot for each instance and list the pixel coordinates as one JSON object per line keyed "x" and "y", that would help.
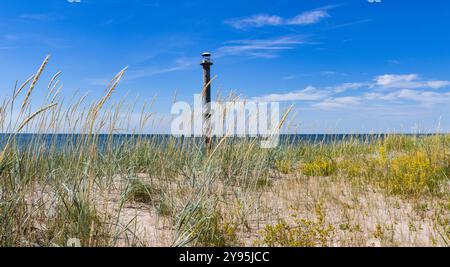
{"x": 226, "y": 256}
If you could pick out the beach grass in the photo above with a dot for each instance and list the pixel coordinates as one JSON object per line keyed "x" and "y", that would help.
{"x": 386, "y": 190}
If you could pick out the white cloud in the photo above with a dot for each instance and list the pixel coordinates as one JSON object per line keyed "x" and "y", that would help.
{"x": 437, "y": 84}
{"x": 424, "y": 98}
{"x": 397, "y": 100}
{"x": 269, "y": 48}
{"x": 409, "y": 81}
{"x": 308, "y": 94}
{"x": 338, "y": 102}
{"x": 380, "y": 96}
{"x": 390, "y": 80}
{"x": 259, "y": 48}
{"x": 346, "y": 86}
{"x": 74, "y": 1}
{"x": 310, "y": 17}
{"x": 404, "y": 90}
{"x": 261, "y": 20}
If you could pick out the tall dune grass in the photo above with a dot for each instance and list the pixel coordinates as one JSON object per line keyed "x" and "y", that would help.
{"x": 53, "y": 189}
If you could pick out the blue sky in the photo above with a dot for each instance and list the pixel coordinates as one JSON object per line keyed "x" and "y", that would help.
{"x": 349, "y": 66}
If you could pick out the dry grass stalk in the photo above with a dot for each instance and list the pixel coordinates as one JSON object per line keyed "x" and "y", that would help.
{"x": 35, "y": 79}
{"x": 29, "y": 118}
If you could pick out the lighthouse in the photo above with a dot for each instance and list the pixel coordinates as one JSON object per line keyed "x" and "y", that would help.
{"x": 206, "y": 97}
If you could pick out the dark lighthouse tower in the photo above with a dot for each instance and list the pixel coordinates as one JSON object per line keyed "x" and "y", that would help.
{"x": 206, "y": 95}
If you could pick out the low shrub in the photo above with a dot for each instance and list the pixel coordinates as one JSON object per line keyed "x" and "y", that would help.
{"x": 319, "y": 166}
{"x": 414, "y": 173}
{"x": 303, "y": 232}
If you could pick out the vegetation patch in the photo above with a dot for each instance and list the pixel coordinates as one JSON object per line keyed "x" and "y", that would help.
{"x": 319, "y": 166}
{"x": 302, "y": 233}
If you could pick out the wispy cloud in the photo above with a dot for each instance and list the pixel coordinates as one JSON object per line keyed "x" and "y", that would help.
{"x": 310, "y": 93}
{"x": 338, "y": 102}
{"x": 345, "y": 87}
{"x": 258, "y": 20}
{"x": 261, "y": 20}
{"x": 397, "y": 99}
{"x": 74, "y": 1}
{"x": 268, "y": 48}
{"x": 398, "y": 90}
{"x": 408, "y": 81}
{"x": 348, "y": 24}
{"x": 424, "y": 98}
{"x": 309, "y": 17}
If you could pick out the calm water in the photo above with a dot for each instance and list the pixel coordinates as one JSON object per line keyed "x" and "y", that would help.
{"x": 102, "y": 140}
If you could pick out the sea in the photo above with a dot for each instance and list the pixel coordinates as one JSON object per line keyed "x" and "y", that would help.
{"x": 103, "y": 140}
